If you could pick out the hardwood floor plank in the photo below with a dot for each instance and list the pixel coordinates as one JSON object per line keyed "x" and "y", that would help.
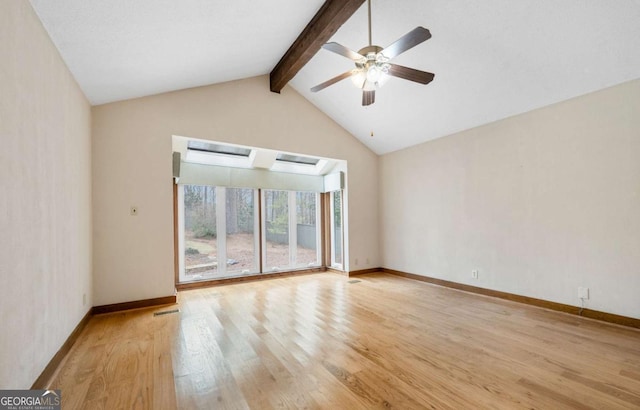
{"x": 630, "y": 374}
{"x": 318, "y": 341}
{"x": 552, "y": 398}
{"x": 163, "y": 386}
{"x": 365, "y": 393}
{"x": 610, "y": 389}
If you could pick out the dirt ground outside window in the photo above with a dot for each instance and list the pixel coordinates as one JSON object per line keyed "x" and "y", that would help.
{"x": 202, "y": 252}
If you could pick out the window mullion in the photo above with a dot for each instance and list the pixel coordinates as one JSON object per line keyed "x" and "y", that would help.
{"x": 293, "y": 230}
{"x": 181, "y": 239}
{"x": 221, "y": 230}
{"x": 318, "y": 229}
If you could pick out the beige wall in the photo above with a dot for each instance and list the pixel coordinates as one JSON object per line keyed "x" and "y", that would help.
{"x": 133, "y": 256}
{"x": 45, "y": 204}
{"x": 540, "y": 203}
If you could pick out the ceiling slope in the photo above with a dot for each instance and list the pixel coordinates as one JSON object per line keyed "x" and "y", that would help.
{"x": 122, "y": 49}
{"x": 491, "y": 59}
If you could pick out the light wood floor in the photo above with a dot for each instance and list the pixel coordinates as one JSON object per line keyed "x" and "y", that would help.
{"x": 318, "y": 341}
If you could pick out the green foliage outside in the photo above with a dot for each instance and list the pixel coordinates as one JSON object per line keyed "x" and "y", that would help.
{"x": 280, "y": 225}
{"x": 204, "y": 223}
{"x": 278, "y": 212}
{"x": 200, "y": 210}
{"x": 201, "y": 204}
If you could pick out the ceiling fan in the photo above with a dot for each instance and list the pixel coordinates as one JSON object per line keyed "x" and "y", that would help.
{"x": 372, "y": 63}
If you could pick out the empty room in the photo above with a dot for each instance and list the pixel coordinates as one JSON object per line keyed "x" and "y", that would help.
{"x": 336, "y": 204}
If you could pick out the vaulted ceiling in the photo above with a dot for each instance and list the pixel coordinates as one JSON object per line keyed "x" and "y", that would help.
{"x": 492, "y": 59}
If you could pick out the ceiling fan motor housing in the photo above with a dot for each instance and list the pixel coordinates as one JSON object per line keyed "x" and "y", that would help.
{"x": 373, "y": 67}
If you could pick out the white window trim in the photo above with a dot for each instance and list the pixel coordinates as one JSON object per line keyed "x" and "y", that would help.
{"x": 333, "y": 262}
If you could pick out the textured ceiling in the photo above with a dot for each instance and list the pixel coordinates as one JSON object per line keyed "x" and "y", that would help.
{"x": 492, "y": 59}
{"x": 122, "y": 49}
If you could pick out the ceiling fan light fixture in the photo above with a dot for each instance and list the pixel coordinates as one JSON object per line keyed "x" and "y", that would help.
{"x": 371, "y": 75}
{"x": 372, "y": 63}
{"x": 374, "y": 74}
{"x": 380, "y": 58}
{"x": 359, "y": 77}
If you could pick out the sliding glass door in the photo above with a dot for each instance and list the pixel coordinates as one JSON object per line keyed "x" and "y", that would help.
{"x": 199, "y": 245}
{"x": 218, "y": 231}
{"x": 276, "y": 222}
{"x": 290, "y": 230}
{"x": 307, "y": 218}
{"x": 241, "y": 228}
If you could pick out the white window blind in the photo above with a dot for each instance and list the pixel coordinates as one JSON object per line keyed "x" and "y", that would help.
{"x": 200, "y": 174}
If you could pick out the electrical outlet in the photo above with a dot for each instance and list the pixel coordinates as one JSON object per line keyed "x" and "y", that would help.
{"x": 474, "y": 274}
{"x": 583, "y": 293}
{"x": 84, "y": 299}
{"x": 367, "y": 261}
{"x": 356, "y": 262}
{"x": 134, "y": 211}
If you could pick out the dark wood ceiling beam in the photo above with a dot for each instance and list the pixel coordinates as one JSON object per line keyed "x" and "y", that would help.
{"x": 331, "y": 16}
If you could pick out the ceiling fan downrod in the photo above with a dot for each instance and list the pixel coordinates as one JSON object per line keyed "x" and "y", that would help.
{"x": 369, "y": 7}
